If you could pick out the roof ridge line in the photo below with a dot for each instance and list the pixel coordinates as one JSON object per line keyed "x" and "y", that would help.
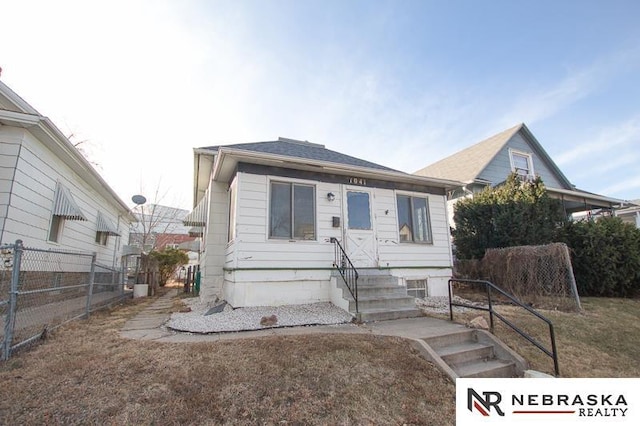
{"x": 299, "y": 142}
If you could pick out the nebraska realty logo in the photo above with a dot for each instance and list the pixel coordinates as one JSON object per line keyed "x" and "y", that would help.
{"x": 561, "y": 401}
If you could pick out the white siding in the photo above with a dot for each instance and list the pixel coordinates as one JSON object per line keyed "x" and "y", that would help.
{"x": 29, "y": 212}
{"x": 254, "y": 249}
{"x": 215, "y": 242}
{"x": 254, "y": 269}
{"x": 10, "y": 141}
{"x": 393, "y": 253}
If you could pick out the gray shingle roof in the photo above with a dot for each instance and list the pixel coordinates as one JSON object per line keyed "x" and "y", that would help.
{"x": 302, "y": 149}
{"x": 466, "y": 165}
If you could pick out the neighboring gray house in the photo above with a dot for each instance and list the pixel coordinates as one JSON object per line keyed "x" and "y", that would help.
{"x": 270, "y": 209}
{"x": 489, "y": 163}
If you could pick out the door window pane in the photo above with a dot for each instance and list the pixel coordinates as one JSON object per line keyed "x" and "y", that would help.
{"x": 359, "y": 212}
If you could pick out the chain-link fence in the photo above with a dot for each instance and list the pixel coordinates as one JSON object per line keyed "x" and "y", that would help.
{"x": 538, "y": 275}
{"x": 42, "y": 289}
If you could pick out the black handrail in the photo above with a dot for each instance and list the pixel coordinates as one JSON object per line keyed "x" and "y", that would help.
{"x": 489, "y": 286}
{"x": 348, "y": 272}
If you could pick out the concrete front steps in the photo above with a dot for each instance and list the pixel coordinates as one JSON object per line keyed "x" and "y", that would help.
{"x": 475, "y": 353}
{"x": 380, "y": 298}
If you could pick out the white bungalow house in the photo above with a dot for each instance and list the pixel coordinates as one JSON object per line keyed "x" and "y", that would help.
{"x": 489, "y": 163}
{"x": 274, "y": 215}
{"x": 50, "y": 195}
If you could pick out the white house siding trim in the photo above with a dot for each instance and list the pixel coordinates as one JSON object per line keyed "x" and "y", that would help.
{"x": 215, "y": 242}
{"x": 29, "y": 213}
{"x": 263, "y": 271}
{"x": 10, "y": 145}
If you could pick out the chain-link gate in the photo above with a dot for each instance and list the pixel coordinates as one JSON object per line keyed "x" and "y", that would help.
{"x": 42, "y": 289}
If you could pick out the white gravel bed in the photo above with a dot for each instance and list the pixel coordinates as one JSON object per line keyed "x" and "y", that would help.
{"x": 440, "y": 305}
{"x": 244, "y": 319}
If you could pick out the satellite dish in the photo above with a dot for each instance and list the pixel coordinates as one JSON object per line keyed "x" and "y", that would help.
{"x": 138, "y": 199}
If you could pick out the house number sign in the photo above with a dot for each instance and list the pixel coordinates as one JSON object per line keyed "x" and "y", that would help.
{"x": 357, "y": 181}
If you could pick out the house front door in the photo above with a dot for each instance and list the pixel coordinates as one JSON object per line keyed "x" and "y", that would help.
{"x": 360, "y": 240}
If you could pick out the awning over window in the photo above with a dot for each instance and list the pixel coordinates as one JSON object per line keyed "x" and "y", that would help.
{"x": 196, "y": 231}
{"x": 65, "y": 206}
{"x": 198, "y": 216}
{"x": 105, "y": 225}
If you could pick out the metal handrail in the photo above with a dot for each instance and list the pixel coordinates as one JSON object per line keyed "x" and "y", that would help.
{"x": 348, "y": 272}
{"x": 489, "y": 286}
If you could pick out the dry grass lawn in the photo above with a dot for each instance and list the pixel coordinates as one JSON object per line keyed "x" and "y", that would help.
{"x": 84, "y": 373}
{"x": 602, "y": 341}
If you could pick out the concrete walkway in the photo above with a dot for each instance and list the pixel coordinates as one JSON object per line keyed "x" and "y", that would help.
{"x": 148, "y": 325}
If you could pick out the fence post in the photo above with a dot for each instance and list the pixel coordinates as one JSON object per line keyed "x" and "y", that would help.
{"x": 92, "y": 276}
{"x": 121, "y": 282}
{"x": 10, "y": 321}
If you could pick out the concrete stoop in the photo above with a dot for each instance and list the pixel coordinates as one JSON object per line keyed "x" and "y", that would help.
{"x": 472, "y": 353}
{"x": 380, "y": 298}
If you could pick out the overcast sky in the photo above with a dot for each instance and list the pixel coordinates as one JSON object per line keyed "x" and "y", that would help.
{"x": 400, "y": 83}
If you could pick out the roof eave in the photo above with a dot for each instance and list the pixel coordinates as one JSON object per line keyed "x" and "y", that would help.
{"x": 44, "y": 129}
{"x": 587, "y": 196}
{"x": 541, "y": 151}
{"x": 318, "y": 165}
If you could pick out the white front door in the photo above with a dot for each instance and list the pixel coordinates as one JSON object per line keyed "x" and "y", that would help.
{"x": 360, "y": 239}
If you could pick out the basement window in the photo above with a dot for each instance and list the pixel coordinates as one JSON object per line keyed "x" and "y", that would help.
{"x": 417, "y": 288}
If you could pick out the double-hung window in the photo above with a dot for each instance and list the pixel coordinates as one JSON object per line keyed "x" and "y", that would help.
{"x": 292, "y": 211}
{"x": 55, "y": 230}
{"x": 102, "y": 238}
{"x": 522, "y": 164}
{"x": 414, "y": 224}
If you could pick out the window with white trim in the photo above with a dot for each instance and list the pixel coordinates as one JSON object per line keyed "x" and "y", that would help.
{"x": 417, "y": 288}
{"x": 522, "y": 163}
{"x": 292, "y": 211}
{"x": 414, "y": 223}
{"x": 55, "y": 230}
{"x": 102, "y": 238}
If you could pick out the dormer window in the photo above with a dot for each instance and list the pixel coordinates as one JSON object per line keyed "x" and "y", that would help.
{"x": 522, "y": 164}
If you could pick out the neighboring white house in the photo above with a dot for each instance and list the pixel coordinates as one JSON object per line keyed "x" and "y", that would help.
{"x": 489, "y": 163}
{"x": 50, "y": 196}
{"x": 269, "y": 210}
{"x": 630, "y": 213}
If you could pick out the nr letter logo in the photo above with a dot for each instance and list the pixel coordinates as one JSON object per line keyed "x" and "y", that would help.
{"x": 483, "y": 404}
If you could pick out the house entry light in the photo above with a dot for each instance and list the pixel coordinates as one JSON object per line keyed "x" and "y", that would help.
{"x": 331, "y": 196}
